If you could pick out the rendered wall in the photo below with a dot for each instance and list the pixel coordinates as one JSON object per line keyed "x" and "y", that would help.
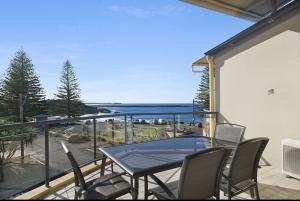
{"x": 246, "y": 72}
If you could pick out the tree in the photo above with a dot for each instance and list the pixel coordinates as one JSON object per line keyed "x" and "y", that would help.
{"x": 21, "y": 92}
{"x": 68, "y": 93}
{"x": 202, "y": 95}
{"x": 2, "y": 107}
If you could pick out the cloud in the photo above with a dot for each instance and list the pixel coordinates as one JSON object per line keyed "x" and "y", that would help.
{"x": 147, "y": 12}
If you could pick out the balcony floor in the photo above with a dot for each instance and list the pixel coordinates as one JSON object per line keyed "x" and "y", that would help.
{"x": 272, "y": 185}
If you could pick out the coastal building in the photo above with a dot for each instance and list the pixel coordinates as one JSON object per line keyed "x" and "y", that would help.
{"x": 255, "y": 75}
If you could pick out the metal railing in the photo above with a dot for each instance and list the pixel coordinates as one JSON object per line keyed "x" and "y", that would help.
{"x": 126, "y": 116}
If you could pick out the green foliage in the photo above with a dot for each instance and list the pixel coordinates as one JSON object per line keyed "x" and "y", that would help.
{"x": 151, "y": 131}
{"x": 53, "y": 108}
{"x": 21, "y": 80}
{"x": 68, "y": 94}
{"x": 202, "y": 95}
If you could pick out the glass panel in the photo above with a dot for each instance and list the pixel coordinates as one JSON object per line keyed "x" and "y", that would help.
{"x": 189, "y": 124}
{"x": 150, "y": 127}
{"x": 79, "y": 138}
{"x": 21, "y": 160}
{"x": 111, "y": 131}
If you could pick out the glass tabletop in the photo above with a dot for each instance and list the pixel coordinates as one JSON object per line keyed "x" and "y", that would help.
{"x": 155, "y": 156}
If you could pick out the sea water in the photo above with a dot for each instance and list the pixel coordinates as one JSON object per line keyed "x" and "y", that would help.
{"x": 153, "y": 108}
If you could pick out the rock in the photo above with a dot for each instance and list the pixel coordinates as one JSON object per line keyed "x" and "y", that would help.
{"x": 103, "y": 110}
{"x": 76, "y": 138}
{"x": 169, "y": 129}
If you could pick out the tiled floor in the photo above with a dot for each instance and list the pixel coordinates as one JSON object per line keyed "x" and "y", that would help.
{"x": 272, "y": 185}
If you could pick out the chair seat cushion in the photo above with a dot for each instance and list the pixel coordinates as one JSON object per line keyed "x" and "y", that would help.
{"x": 110, "y": 189}
{"x": 161, "y": 194}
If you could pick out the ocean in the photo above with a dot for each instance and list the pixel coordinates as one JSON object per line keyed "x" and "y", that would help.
{"x": 153, "y": 108}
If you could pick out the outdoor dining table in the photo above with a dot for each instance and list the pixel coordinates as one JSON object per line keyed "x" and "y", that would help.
{"x": 147, "y": 158}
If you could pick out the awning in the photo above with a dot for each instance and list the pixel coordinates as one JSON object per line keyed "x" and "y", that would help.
{"x": 253, "y": 10}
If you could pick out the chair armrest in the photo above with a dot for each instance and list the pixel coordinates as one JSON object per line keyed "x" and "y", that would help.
{"x": 163, "y": 186}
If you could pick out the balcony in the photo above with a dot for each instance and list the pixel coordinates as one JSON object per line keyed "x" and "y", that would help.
{"x": 38, "y": 157}
{"x": 40, "y": 169}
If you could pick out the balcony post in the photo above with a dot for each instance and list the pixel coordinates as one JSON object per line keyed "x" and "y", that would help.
{"x": 193, "y": 112}
{"x": 126, "y": 133}
{"x": 1, "y": 167}
{"x": 113, "y": 131}
{"x": 47, "y": 171}
{"x": 22, "y": 150}
{"x": 132, "y": 125}
{"x": 174, "y": 125}
{"x": 95, "y": 139}
{"x": 211, "y": 65}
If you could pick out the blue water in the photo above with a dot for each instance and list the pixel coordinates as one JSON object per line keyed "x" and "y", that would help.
{"x": 153, "y": 108}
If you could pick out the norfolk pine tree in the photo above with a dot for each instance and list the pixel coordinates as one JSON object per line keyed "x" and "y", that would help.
{"x": 202, "y": 95}
{"x": 68, "y": 93}
{"x": 22, "y": 83}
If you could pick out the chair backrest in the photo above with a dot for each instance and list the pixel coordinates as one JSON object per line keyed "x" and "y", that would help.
{"x": 230, "y": 132}
{"x": 201, "y": 174}
{"x": 246, "y": 159}
{"x": 79, "y": 179}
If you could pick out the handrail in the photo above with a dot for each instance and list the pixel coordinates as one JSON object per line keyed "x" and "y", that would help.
{"x": 74, "y": 119}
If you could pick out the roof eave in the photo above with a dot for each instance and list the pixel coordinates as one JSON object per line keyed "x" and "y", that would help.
{"x": 270, "y": 19}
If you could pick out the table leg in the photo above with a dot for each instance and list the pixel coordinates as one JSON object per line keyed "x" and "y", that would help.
{"x": 146, "y": 187}
{"x": 135, "y": 194}
{"x": 131, "y": 186}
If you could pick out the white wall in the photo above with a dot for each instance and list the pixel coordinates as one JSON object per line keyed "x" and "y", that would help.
{"x": 245, "y": 73}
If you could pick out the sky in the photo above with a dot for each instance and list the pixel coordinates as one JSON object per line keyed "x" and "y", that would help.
{"x": 125, "y": 51}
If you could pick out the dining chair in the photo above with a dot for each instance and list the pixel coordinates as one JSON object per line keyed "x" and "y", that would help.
{"x": 106, "y": 187}
{"x": 229, "y": 132}
{"x": 199, "y": 179}
{"x": 242, "y": 172}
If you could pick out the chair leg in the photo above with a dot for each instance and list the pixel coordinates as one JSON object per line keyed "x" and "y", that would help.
{"x": 146, "y": 187}
{"x": 218, "y": 195}
{"x": 252, "y": 193}
{"x": 131, "y": 185}
{"x": 256, "y": 192}
{"x": 229, "y": 191}
{"x": 112, "y": 167}
{"x": 76, "y": 196}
